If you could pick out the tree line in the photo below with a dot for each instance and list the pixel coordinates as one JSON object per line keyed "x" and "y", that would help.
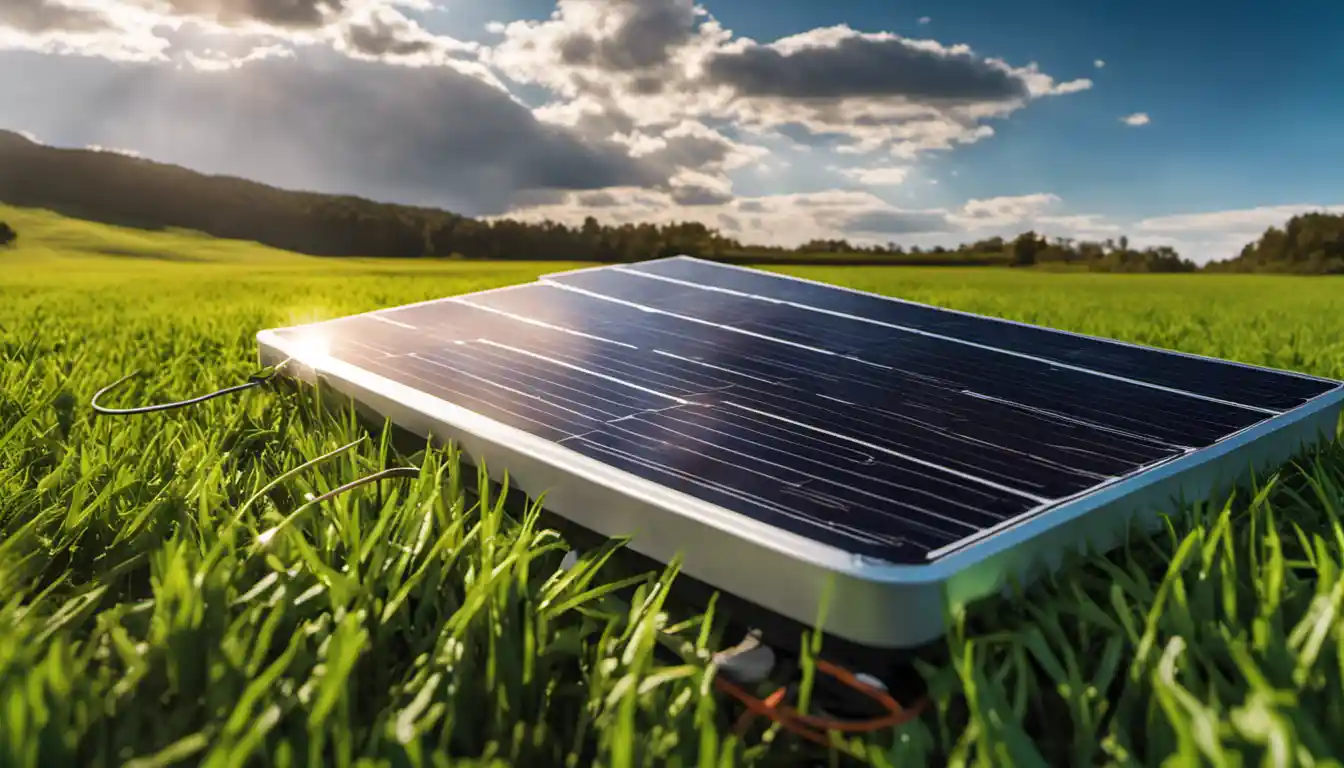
{"x": 129, "y": 191}
{"x": 1310, "y": 244}
{"x": 1031, "y": 249}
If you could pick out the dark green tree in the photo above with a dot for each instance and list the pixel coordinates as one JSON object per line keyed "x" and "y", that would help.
{"x": 1310, "y": 243}
{"x": 7, "y": 235}
{"x": 1025, "y": 249}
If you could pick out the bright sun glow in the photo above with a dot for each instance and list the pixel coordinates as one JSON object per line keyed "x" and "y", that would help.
{"x": 312, "y": 349}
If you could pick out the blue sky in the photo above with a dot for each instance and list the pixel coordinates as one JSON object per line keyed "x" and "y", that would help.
{"x": 651, "y": 110}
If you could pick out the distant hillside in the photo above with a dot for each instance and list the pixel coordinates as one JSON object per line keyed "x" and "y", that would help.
{"x": 1312, "y": 243}
{"x": 117, "y": 189}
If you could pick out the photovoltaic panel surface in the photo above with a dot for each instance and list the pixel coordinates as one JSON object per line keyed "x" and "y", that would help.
{"x": 1264, "y": 388}
{"x": 885, "y": 429}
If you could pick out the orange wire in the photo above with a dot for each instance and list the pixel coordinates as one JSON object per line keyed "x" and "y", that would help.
{"x": 814, "y": 728}
{"x": 770, "y": 702}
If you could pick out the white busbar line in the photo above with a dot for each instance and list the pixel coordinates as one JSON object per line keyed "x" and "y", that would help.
{"x": 952, "y": 339}
{"x": 583, "y": 370}
{"x": 1001, "y": 320}
{"x": 903, "y": 456}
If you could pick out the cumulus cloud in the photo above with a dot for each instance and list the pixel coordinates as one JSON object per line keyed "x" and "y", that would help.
{"x": 690, "y": 145}
{"x": 387, "y": 33}
{"x": 1099, "y": 64}
{"x": 383, "y": 33}
{"x": 898, "y": 222}
{"x": 786, "y": 219}
{"x": 875, "y": 91}
{"x": 651, "y": 105}
{"x": 697, "y": 195}
{"x": 1245, "y": 221}
{"x": 630, "y": 35}
{"x": 113, "y": 150}
{"x": 211, "y": 60}
{"x": 1002, "y": 211}
{"x": 218, "y": 35}
{"x": 114, "y": 30}
{"x": 418, "y": 135}
{"x": 880, "y": 176}
{"x": 859, "y": 216}
{"x": 1209, "y": 235}
{"x": 603, "y": 49}
{"x": 39, "y": 16}
{"x": 1136, "y": 119}
{"x": 849, "y": 65}
{"x": 924, "y": 20}
{"x": 280, "y": 13}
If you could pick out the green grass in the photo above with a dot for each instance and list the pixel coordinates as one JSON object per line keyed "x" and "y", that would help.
{"x": 143, "y": 622}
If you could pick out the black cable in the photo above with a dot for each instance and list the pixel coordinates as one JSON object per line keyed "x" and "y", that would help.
{"x": 407, "y": 472}
{"x": 255, "y": 380}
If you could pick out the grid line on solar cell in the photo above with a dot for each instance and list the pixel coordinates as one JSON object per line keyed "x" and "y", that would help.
{"x": 507, "y": 373}
{"x": 690, "y": 441}
{"x": 1175, "y": 420}
{"x": 731, "y": 498}
{"x": 1006, "y": 377}
{"x": 815, "y": 510}
{"x": 555, "y": 416}
{"x": 1274, "y": 390}
{"x": 917, "y": 393}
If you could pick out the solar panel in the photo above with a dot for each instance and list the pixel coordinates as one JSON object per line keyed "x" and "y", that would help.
{"x": 792, "y": 439}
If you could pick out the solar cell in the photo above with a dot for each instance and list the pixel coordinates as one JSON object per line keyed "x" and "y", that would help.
{"x": 1276, "y": 390}
{"x": 780, "y": 432}
{"x": 1175, "y": 417}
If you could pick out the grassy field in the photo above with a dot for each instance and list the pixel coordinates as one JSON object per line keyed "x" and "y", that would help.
{"x": 145, "y": 620}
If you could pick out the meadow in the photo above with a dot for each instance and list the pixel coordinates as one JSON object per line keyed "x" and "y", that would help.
{"x": 145, "y": 620}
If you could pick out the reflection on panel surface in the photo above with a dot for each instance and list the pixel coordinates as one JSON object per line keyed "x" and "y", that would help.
{"x": 1212, "y": 378}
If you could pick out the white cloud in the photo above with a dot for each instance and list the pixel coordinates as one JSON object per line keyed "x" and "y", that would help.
{"x": 219, "y": 35}
{"x": 880, "y": 176}
{"x": 384, "y": 33}
{"x": 924, "y": 19}
{"x": 319, "y": 121}
{"x": 1082, "y": 225}
{"x": 1004, "y": 211}
{"x": 654, "y": 106}
{"x": 1099, "y": 64}
{"x": 859, "y": 216}
{"x": 785, "y": 220}
{"x": 617, "y": 65}
{"x": 210, "y": 60}
{"x": 877, "y": 88}
{"x": 1136, "y": 119}
{"x": 113, "y": 150}
{"x": 114, "y": 30}
{"x": 693, "y": 146}
{"x": 1244, "y": 221}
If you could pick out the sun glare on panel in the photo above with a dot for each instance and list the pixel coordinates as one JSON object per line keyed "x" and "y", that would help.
{"x": 312, "y": 349}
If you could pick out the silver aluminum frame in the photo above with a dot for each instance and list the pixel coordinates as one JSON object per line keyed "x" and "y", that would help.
{"x": 869, "y": 602}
